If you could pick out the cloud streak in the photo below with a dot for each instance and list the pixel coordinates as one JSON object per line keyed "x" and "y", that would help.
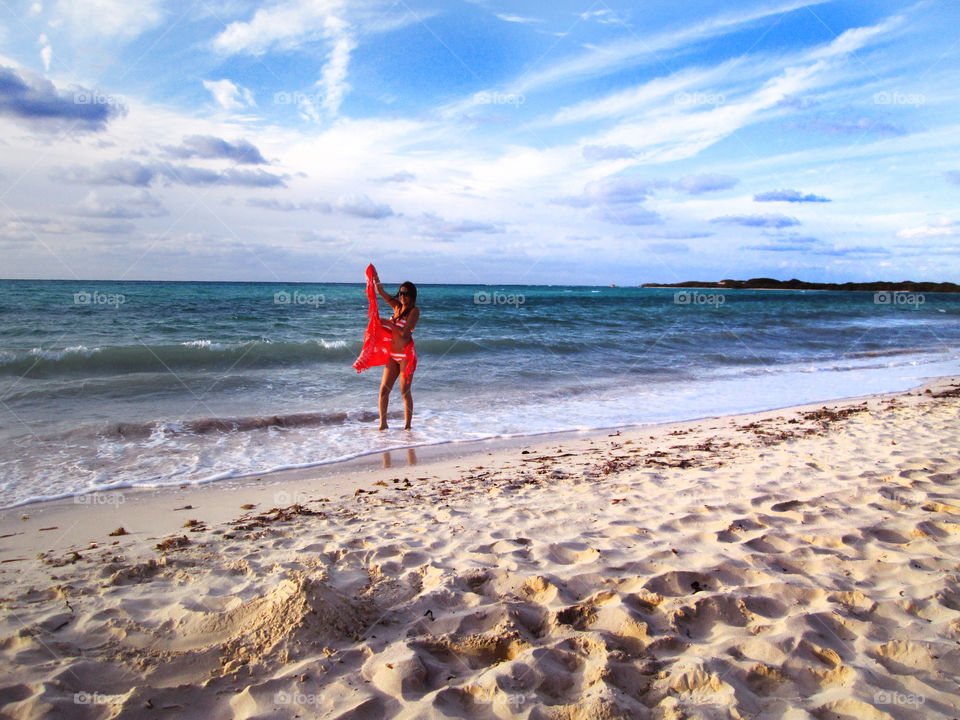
{"x": 793, "y": 196}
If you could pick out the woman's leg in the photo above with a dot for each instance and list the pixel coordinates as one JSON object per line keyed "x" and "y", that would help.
{"x": 390, "y": 372}
{"x": 407, "y": 396}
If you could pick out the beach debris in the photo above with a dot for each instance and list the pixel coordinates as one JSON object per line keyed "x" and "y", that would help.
{"x": 185, "y": 507}
{"x": 118, "y": 532}
{"x": 273, "y": 515}
{"x": 173, "y": 543}
{"x": 248, "y": 506}
{"x": 69, "y": 559}
{"x": 52, "y": 527}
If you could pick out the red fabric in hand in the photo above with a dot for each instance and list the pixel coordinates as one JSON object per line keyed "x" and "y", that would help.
{"x": 378, "y": 337}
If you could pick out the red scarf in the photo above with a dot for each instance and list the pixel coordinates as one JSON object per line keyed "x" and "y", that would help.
{"x": 378, "y": 337}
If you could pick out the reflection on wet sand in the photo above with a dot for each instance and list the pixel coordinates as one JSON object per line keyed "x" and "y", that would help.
{"x": 411, "y": 457}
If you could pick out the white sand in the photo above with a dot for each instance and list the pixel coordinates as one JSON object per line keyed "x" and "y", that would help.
{"x": 777, "y": 565}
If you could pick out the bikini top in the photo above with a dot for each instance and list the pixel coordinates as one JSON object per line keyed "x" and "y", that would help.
{"x": 401, "y": 322}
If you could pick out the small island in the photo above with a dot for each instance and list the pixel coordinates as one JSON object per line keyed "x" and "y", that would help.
{"x": 794, "y": 284}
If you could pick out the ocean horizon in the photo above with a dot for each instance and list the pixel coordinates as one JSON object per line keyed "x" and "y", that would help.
{"x": 107, "y": 384}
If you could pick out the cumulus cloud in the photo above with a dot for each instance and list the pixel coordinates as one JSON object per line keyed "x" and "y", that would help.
{"x": 699, "y": 184}
{"x": 627, "y": 215}
{"x": 616, "y": 200}
{"x": 188, "y": 175}
{"x": 111, "y": 172}
{"x": 398, "y": 177}
{"x": 853, "y": 251}
{"x": 228, "y": 95}
{"x": 794, "y": 196}
{"x": 363, "y": 207}
{"x": 37, "y": 102}
{"x": 765, "y": 221}
{"x": 131, "y": 172}
{"x": 286, "y": 206}
{"x": 615, "y": 191}
{"x": 207, "y": 146}
{"x": 104, "y": 227}
{"x": 140, "y": 204}
{"x": 432, "y": 225}
{"x": 792, "y": 243}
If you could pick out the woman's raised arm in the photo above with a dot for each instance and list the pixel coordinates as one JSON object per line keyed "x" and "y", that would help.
{"x": 394, "y": 303}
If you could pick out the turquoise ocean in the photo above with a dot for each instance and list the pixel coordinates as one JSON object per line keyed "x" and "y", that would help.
{"x": 121, "y": 384}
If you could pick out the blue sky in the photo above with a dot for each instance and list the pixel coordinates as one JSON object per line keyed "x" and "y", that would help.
{"x": 575, "y": 142}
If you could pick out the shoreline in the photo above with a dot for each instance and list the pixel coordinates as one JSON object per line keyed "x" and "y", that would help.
{"x": 428, "y": 450}
{"x": 793, "y": 563}
{"x": 340, "y": 479}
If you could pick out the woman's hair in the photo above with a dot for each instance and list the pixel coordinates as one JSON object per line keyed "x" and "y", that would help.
{"x": 413, "y": 296}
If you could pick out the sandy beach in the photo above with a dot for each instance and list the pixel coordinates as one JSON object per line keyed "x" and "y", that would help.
{"x": 798, "y": 563}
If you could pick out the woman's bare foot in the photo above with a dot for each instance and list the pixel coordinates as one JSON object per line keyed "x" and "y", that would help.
{"x": 383, "y": 426}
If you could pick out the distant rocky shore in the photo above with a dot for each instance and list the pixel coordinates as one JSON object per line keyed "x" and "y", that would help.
{"x": 771, "y": 284}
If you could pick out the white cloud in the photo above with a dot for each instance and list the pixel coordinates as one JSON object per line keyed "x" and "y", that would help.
{"x": 333, "y": 79}
{"x": 280, "y": 25}
{"x": 46, "y": 52}
{"x": 363, "y": 207}
{"x": 681, "y": 131}
{"x": 140, "y": 204}
{"x": 228, "y": 95}
{"x": 507, "y": 17}
{"x": 285, "y": 26}
{"x": 623, "y": 53}
{"x": 109, "y": 18}
{"x": 942, "y": 227}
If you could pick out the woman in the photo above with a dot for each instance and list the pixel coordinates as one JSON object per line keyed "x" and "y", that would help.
{"x": 402, "y": 322}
